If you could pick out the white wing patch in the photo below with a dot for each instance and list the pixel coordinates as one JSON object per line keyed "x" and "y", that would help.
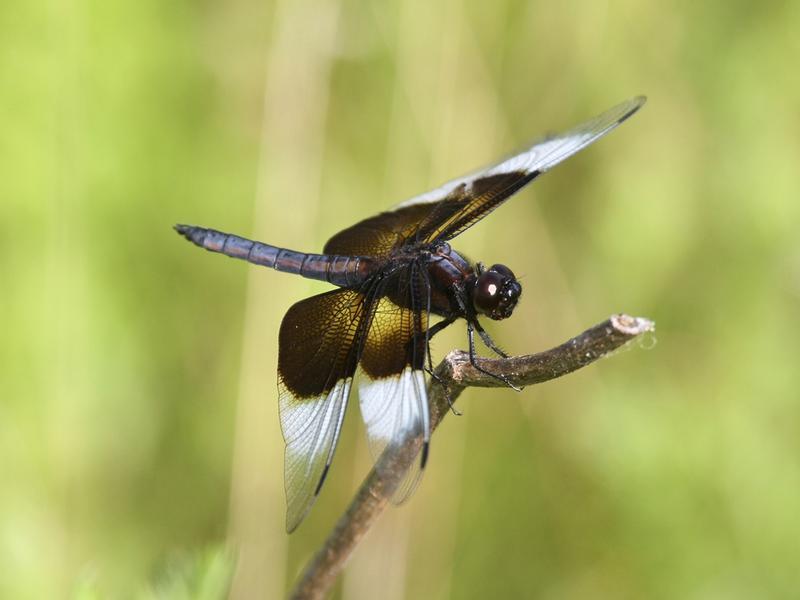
{"x": 393, "y": 409}
{"x": 543, "y": 155}
{"x": 311, "y": 428}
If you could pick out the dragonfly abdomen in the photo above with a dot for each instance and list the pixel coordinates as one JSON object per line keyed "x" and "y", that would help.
{"x": 344, "y": 271}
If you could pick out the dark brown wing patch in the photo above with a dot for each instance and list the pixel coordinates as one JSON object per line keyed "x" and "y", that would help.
{"x": 391, "y": 381}
{"x": 379, "y": 235}
{"x": 317, "y": 341}
{"x": 469, "y": 203}
{"x": 317, "y": 356}
{"x": 395, "y": 340}
{"x": 460, "y": 203}
{"x": 427, "y": 222}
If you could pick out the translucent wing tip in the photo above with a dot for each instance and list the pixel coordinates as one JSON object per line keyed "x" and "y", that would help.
{"x": 619, "y": 113}
{"x": 295, "y": 512}
{"x": 294, "y": 517}
{"x": 292, "y": 522}
{"x": 614, "y": 116}
{"x": 632, "y": 106}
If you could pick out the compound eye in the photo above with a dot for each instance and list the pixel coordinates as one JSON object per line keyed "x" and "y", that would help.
{"x": 496, "y": 292}
{"x": 503, "y": 270}
{"x": 486, "y": 296}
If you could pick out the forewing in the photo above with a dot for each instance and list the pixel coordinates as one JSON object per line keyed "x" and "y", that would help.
{"x": 378, "y": 235}
{"x": 460, "y": 203}
{"x": 443, "y": 213}
{"x": 318, "y": 351}
{"x": 391, "y": 381}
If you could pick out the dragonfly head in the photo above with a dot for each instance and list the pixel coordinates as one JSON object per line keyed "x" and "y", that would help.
{"x": 496, "y": 292}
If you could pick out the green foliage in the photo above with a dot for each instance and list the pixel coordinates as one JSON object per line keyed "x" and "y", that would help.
{"x": 205, "y": 577}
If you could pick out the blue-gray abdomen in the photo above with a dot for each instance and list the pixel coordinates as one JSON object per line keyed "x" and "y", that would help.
{"x": 344, "y": 271}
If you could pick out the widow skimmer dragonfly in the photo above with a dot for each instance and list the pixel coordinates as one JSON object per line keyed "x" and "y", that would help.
{"x": 393, "y": 271}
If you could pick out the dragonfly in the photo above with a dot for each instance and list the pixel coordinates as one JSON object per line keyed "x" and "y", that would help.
{"x": 393, "y": 274}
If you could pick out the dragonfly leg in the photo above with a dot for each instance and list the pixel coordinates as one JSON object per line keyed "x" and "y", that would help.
{"x": 473, "y": 359}
{"x": 488, "y": 340}
{"x": 429, "y": 369}
{"x": 472, "y": 325}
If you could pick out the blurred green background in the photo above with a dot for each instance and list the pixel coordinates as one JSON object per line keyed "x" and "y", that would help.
{"x": 138, "y": 404}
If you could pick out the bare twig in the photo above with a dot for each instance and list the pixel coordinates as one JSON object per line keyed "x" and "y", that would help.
{"x": 457, "y": 373}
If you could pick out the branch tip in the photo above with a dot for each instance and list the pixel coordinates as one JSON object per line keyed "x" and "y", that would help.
{"x": 632, "y": 326}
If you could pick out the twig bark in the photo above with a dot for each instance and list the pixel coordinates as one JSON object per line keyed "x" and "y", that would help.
{"x": 457, "y": 373}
